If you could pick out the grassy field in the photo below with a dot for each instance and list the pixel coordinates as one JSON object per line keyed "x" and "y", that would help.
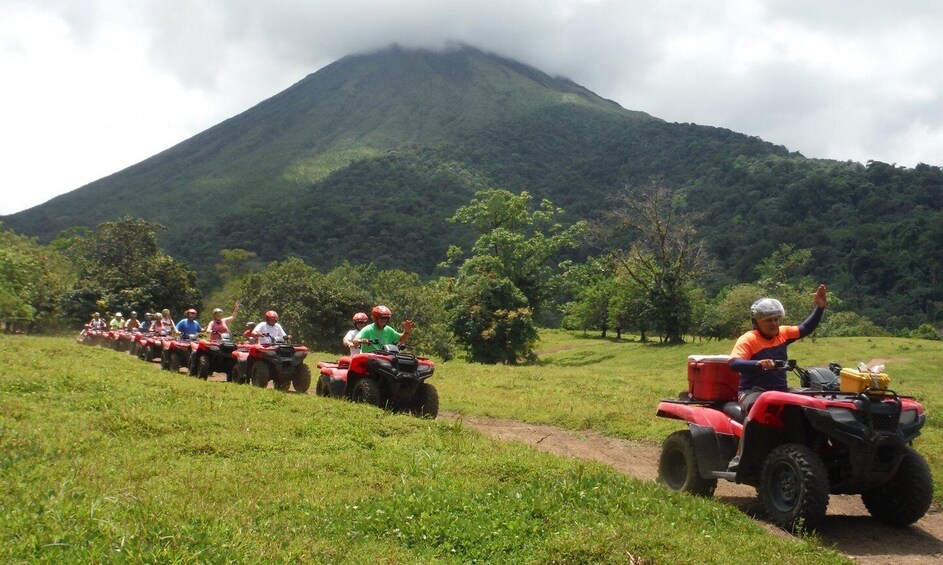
{"x": 613, "y": 387}
{"x": 103, "y": 458}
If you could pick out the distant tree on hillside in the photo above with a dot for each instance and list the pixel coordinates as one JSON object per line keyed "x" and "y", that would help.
{"x": 121, "y": 267}
{"x": 666, "y": 258}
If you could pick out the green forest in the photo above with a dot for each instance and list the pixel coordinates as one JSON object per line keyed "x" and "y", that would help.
{"x": 516, "y": 276}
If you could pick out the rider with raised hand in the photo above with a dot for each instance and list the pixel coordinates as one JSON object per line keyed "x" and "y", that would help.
{"x": 219, "y": 325}
{"x": 189, "y": 326}
{"x": 755, "y": 354}
{"x": 379, "y": 331}
{"x": 359, "y": 320}
{"x": 270, "y": 330}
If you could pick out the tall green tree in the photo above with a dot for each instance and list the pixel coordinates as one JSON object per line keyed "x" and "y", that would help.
{"x": 123, "y": 268}
{"x": 521, "y": 239}
{"x": 490, "y": 315}
{"x": 503, "y": 285}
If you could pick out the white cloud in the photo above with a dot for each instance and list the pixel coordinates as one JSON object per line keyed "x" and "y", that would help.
{"x": 102, "y": 84}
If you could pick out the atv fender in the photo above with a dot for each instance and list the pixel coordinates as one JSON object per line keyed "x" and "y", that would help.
{"x": 338, "y": 382}
{"x": 714, "y": 451}
{"x": 700, "y": 415}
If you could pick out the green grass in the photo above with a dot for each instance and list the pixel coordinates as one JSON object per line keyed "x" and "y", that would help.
{"x": 613, "y": 387}
{"x": 103, "y": 458}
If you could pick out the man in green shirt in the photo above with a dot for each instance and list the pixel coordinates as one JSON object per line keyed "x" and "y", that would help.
{"x": 381, "y": 331}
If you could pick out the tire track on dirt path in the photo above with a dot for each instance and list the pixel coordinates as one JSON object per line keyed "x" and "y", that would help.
{"x": 848, "y": 527}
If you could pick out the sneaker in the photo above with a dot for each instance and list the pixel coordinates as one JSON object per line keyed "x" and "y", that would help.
{"x": 734, "y": 464}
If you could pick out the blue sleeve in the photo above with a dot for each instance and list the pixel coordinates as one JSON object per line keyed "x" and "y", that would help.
{"x": 812, "y": 322}
{"x": 746, "y": 366}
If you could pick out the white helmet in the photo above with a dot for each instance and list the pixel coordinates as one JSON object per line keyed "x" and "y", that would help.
{"x": 767, "y": 308}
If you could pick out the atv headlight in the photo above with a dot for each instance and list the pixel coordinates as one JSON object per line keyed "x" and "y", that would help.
{"x": 908, "y": 417}
{"x": 843, "y": 415}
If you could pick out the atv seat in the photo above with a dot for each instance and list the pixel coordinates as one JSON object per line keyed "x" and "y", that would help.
{"x": 734, "y": 410}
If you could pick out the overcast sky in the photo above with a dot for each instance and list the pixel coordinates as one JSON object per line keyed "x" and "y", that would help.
{"x": 91, "y": 87}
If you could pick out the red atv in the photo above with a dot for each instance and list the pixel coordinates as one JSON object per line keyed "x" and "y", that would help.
{"x": 209, "y": 356}
{"x": 108, "y": 339}
{"x": 388, "y": 378}
{"x": 280, "y": 361}
{"x": 137, "y": 339}
{"x": 176, "y": 353}
{"x": 122, "y": 340}
{"x": 800, "y": 446}
{"x": 151, "y": 345}
{"x": 91, "y": 336}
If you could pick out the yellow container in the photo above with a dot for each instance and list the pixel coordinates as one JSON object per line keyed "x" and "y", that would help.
{"x": 856, "y": 381}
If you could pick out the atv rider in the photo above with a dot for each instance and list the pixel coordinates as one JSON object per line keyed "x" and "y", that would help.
{"x": 270, "y": 330}
{"x": 755, "y": 354}
{"x": 117, "y": 321}
{"x": 220, "y": 325}
{"x": 380, "y": 332}
{"x": 189, "y": 326}
{"x": 164, "y": 322}
{"x": 148, "y": 322}
{"x": 248, "y": 333}
{"x": 96, "y": 323}
{"x": 132, "y": 323}
{"x": 359, "y": 320}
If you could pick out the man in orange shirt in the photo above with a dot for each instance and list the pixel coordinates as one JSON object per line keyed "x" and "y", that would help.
{"x": 755, "y": 354}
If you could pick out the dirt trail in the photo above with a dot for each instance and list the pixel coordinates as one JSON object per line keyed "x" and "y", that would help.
{"x": 848, "y": 527}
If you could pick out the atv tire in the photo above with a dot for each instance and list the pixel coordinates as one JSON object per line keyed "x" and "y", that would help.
{"x": 191, "y": 364}
{"x": 677, "y": 466}
{"x": 906, "y": 497}
{"x": 204, "y": 367}
{"x": 367, "y": 390}
{"x": 133, "y": 350}
{"x": 426, "y": 402}
{"x": 239, "y": 375}
{"x": 301, "y": 378}
{"x": 794, "y": 487}
{"x": 323, "y": 387}
{"x": 261, "y": 374}
{"x": 164, "y": 360}
{"x": 173, "y": 363}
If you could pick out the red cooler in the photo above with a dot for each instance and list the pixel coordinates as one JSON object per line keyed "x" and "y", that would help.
{"x": 711, "y": 378}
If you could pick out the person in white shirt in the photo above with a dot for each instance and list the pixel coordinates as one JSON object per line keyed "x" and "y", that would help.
{"x": 270, "y": 330}
{"x": 360, "y": 320}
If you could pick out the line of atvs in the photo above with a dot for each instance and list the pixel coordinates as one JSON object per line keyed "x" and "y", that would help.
{"x": 388, "y": 378}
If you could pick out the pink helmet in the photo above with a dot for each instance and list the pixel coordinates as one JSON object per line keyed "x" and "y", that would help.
{"x": 360, "y": 317}
{"x": 271, "y": 315}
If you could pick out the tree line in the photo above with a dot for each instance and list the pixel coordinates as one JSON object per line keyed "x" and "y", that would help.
{"x": 650, "y": 281}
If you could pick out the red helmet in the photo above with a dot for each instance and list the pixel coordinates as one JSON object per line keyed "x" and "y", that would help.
{"x": 360, "y": 317}
{"x": 380, "y": 312}
{"x": 271, "y": 314}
